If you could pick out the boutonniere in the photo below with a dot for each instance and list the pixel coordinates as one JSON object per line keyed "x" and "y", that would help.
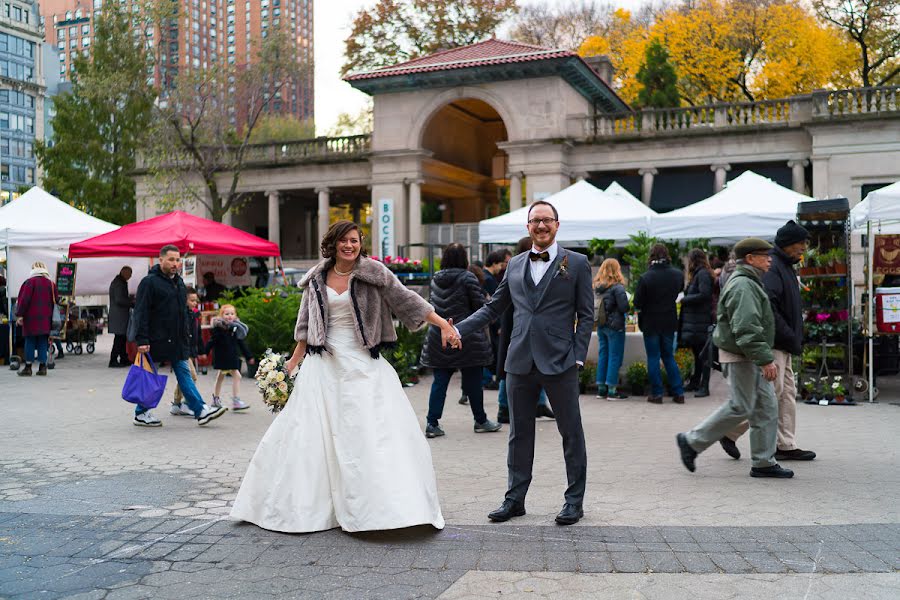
{"x": 563, "y": 270}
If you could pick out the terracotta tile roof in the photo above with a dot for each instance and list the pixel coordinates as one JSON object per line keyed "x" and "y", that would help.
{"x": 489, "y": 52}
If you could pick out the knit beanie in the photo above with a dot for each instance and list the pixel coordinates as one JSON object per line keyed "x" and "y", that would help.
{"x": 790, "y": 233}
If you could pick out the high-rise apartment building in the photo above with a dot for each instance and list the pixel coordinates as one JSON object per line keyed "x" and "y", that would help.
{"x": 21, "y": 94}
{"x": 206, "y": 32}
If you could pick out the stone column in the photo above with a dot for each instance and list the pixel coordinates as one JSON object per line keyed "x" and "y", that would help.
{"x": 310, "y": 244}
{"x": 721, "y": 171}
{"x": 647, "y": 184}
{"x": 515, "y": 191}
{"x": 324, "y": 206}
{"x": 274, "y": 217}
{"x": 798, "y": 172}
{"x": 416, "y": 233}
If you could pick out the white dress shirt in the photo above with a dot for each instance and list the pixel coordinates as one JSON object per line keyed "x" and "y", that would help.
{"x": 539, "y": 267}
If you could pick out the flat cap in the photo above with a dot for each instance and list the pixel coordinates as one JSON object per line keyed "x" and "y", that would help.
{"x": 749, "y": 246}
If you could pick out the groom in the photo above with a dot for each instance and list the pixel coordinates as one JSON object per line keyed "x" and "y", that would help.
{"x": 549, "y": 289}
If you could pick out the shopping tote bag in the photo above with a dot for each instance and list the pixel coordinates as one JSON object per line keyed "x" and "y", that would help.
{"x": 144, "y": 385}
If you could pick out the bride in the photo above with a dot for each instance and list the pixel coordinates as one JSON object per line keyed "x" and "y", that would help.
{"x": 346, "y": 451}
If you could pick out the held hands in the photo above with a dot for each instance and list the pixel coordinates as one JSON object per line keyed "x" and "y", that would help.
{"x": 770, "y": 372}
{"x": 449, "y": 335}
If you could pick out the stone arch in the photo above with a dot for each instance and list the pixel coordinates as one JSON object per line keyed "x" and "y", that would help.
{"x": 417, "y": 131}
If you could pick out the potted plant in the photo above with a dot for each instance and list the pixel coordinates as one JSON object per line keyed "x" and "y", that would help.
{"x": 636, "y": 376}
{"x": 808, "y": 263}
{"x": 587, "y": 377}
{"x": 838, "y": 389}
{"x": 840, "y": 261}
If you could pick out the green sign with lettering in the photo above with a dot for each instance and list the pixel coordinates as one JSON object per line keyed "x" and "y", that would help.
{"x": 65, "y": 278}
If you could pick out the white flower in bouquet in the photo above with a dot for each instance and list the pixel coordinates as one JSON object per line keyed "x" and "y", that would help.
{"x": 282, "y": 386}
{"x": 279, "y": 376}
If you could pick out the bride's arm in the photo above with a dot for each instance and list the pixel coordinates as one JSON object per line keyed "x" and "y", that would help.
{"x": 296, "y": 357}
{"x": 448, "y": 332}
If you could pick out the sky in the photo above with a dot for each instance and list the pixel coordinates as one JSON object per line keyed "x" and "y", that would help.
{"x": 331, "y": 27}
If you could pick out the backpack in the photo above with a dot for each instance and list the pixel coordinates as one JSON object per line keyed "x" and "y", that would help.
{"x": 600, "y": 316}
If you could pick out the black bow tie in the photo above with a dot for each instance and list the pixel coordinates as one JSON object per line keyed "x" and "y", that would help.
{"x": 544, "y": 256}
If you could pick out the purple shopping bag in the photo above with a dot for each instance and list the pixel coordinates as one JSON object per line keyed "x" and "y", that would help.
{"x": 144, "y": 385}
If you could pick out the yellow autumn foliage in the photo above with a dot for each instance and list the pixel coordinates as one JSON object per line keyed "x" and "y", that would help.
{"x": 731, "y": 50}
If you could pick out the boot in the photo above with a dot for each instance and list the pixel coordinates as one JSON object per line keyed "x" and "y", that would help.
{"x": 26, "y": 372}
{"x": 42, "y": 370}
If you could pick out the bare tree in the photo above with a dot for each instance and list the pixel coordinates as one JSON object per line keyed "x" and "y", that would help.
{"x": 205, "y": 124}
{"x": 561, "y": 26}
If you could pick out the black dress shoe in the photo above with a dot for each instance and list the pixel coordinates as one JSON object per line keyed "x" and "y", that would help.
{"x": 507, "y": 510}
{"x": 679, "y": 399}
{"x": 795, "y": 454}
{"x": 570, "y": 514}
{"x": 545, "y": 411}
{"x": 688, "y": 454}
{"x": 655, "y": 399}
{"x": 503, "y": 415}
{"x": 776, "y": 471}
{"x": 730, "y": 448}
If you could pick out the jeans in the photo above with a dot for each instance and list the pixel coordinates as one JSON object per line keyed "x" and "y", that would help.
{"x": 609, "y": 357}
{"x": 660, "y": 346}
{"x": 503, "y": 399}
{"x": 186, "y": 383}
{"x": 487, "y": 376}
{"x": 471, "y": 386}
{"x": 39, "y": 342}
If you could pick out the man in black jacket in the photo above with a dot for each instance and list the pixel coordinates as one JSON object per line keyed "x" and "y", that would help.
{"x": 783, "y": 290}
{"x": 161, "y": 328}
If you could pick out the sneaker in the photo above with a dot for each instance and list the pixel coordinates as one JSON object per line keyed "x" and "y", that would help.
{"x": 487, "y": 427}
{"x": 616, "y": 395}
{"x": 147, "y": 419}
{"x": 776, "y": 471}
{"x": 433, "y": 431}
{"x": 602, "y": 392}
{"x": 180, "y": 410}
{"x": 463, "y": 399}
{"x": 238, "y": 404}
{"x": 217, "y": 402}
{"x": 209, "y": 413}
{"x": 688, "y": 454}
{"x": 26, "y": 372}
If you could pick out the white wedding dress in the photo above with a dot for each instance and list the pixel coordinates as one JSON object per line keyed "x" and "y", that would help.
{"x": 346, "y": 451}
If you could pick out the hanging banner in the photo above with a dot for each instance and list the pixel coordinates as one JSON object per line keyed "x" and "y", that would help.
{"x": 887, "y": 255}
{"x": 65, "y": 278}
{"x": 230, "y": 271}
{"x": 386, "y": 227}
{"x": 189, "y": 271}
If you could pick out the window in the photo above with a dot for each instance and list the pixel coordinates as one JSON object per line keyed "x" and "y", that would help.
{"x": 61, "y": 34}
{"x": 85, "y": 42}
{"x": 17, "y": 13}
{"x": 62, "y": 57}
{"x": 86, "y": 29}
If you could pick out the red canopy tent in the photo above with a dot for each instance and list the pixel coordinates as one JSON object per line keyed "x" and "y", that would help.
{"x": 193, "y": 235}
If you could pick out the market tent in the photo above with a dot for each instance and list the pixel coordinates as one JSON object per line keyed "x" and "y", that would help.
{"x": 881, "y": 208}
{"x": 585, "y": 212}
{"x": 749, "y": 206}
{"x": 620, "y": 192}
{"x": 193, "y": 235}
{"x": 38, "y": 226}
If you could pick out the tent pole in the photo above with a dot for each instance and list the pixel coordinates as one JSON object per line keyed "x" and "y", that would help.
{"x": 870, "y": 307}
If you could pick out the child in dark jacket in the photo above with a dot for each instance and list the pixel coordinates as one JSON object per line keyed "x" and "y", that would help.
{"x": 193, "y": 310}
{"x": 227, "y": 341}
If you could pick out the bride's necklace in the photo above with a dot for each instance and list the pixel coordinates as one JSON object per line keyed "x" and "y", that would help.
{"x": 341, "y": 273}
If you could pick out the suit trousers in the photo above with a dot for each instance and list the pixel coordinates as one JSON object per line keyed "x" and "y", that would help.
{"x": 562, "y": 390}
{"x": 786, "y": 392}
{"x": 752, "y": 399}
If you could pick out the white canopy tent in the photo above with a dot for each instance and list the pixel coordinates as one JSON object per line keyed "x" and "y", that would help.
{"x": 749, "y": 206}
{"x": 38, "y": 226}
{"x": 878, "y": 213}
{"x": 620, "y": 192}
{"x": 585, "y": 213}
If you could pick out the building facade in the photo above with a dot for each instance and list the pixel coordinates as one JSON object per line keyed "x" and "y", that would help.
{"x": 206, "y": 33}
{"x": 22, "y": 93}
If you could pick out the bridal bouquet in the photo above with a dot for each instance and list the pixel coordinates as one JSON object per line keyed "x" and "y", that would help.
{"x": 273, "y": 380}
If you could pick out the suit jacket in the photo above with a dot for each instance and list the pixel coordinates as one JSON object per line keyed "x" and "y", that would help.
{"x": 553, "y": 319}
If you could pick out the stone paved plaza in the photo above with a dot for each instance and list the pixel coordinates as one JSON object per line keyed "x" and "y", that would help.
{"x": 93, "y": 507}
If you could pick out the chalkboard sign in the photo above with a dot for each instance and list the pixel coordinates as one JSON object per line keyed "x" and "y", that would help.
{"x": 65, "y": 278}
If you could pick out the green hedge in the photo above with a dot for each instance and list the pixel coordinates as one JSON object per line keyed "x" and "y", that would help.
{"x": 270, "y": 314}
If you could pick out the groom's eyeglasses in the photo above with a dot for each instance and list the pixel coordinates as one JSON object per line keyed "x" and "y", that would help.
{"x": 546, "y": 221}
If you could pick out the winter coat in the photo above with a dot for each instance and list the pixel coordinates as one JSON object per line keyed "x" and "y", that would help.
{"x": 456, "y": 294}
{"x": 615, "y": 300}
{"x": 744, "y": 323}
{"x": 160, "y": 317}
{"x": 375, "y": 293}
{"x": 783, "y": 289}
{"x": 697, "y": 309}
{"x": 195, "y": 333}
{"x": 655, "y": 296}
{"x": 227, "y": 344}
{"x": 119, "y": 306}
{"x": 35, "y": 303}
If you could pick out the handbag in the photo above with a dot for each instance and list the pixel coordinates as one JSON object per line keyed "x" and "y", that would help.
{"x": 144, "y": 385}
{"x": 55, "y": 319}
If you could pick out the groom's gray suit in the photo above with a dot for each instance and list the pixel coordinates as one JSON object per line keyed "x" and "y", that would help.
{"x": 552, "y": 324}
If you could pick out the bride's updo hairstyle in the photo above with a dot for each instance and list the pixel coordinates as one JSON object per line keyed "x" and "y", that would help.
{"x": 335, "y": 233}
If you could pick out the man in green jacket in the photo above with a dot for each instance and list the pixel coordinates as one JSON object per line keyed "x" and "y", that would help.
{"x": 745, "y": 334}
